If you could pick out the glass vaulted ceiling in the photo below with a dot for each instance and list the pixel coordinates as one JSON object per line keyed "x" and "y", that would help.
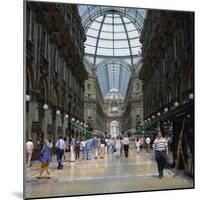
{"x": 112, "y": 32}
{"x": 113, "y": 78}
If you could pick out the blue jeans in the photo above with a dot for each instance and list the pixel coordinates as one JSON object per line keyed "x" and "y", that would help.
{"x": 160, "y": 159}
{"x": 87, "y": 153}
{"x": 59, "y": 158}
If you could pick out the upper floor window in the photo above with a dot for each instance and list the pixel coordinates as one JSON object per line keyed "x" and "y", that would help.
{"x": 114, "y": 107}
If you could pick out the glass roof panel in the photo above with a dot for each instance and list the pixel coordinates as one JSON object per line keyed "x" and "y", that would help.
{"x": 121, "y": 44}
{"x": 89, "y": 49}
{"x": 120, "y": 36}
{"x": 92, "y": 32}
{"x": 114, "y": 30}
{"x": 105, "y": 44}
{"x": 133, "y": 34}
{"x": 113, "y": 78}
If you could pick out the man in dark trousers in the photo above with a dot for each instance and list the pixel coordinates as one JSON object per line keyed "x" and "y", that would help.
{"x": 60, "y": 146}
{"x": 126, "y": 145}
{"x": 160, "y": 148}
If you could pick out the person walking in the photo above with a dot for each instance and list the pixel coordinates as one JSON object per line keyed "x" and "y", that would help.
{"x": 87, "y": 147}
{"x": 102, "y": 147}
{"x": 118, "y": 145}
{"x": 113, "y": 145}
{"x": 45, "y": 159}
{"x": 72, "y": 146}
{"x": 126, "y": 145}
{"x": 160, "y": 148}
{"x": 65, "y": 150}
{"x": 95, "y": 147}
{"x": 122, "y": 146}
{"x": 109, "y": 142}
{"x": 141, "y": 142}
{"x": 60, "y": 146}
{"x": 138, "y": 145}
{"x": 148, "y": 143}
{"x": 51, "y": 149}
{"x": 83, "y": 148}
{"x": 29, "y": 151}
{"x": 77, "y": 149}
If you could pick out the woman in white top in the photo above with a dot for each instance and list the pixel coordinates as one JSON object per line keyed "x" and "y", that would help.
{"x": 29, "y": 151}
{"x": 72, "y": 146}
{"x": 118, "y": 147}
{"x": 138, "y": 145}
{"x": 83, "y": 148}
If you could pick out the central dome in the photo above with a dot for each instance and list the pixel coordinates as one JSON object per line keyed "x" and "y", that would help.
{"x": 112, "y": 35}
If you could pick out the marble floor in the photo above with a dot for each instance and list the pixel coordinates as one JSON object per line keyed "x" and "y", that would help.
{"x": 138, "y": 172}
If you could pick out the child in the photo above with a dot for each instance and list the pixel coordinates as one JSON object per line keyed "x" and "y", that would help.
{"x": 45, "y": 158}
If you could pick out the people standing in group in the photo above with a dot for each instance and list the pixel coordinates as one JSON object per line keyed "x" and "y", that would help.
{"x": 60, "y": 147}
{"x": 77, "y": 148}
{"x": 29, "y": 151}
{"x": 118, "y": 145}
{"x": 72, "y": 146}
{"x": 45, "y": 159}
{"x": 126, "y": 145}
{"x": 148, "y": 144}
{"x": 160, "y": 148}
{"x": 51, "y": 149}
{"x": 102, "y": 147}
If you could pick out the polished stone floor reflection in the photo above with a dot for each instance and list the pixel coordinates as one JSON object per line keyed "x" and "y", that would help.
{"x": 108, "y": 175}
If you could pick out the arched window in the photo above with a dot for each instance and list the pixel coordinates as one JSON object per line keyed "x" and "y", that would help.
{"x": 114, "y": 107}
{"x": 114, "y": 128}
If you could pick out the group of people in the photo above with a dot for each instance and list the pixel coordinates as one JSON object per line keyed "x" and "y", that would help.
{"x": 141, "y": 142}
{"x": 92, "y": 148}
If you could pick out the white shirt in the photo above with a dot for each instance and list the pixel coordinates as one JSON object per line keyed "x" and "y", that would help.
{"x": 29, "y": 146}
{"x": 137, "y": 144}
{"x": 125, "y": 141}
{"x": 50, "y": 145}
{"x": 83, "y": 143}
{"x": 148, "y": 140}
{"x": 60, "y": 144}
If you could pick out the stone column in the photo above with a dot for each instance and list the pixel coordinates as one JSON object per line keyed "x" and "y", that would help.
{"x": 28, "y": 121}
{"x": 44, "y": 124}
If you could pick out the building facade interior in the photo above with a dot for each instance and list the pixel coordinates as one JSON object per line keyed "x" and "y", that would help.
{"x": 109, "y": 71}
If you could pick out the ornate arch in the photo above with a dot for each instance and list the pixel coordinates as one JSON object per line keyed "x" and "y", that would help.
{"x": 56, "y": 96}
{"x": 43, "y": 88}
{"x": 29, "y": 79}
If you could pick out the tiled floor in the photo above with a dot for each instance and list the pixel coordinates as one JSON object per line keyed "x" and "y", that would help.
{"x": 108, "y": 175}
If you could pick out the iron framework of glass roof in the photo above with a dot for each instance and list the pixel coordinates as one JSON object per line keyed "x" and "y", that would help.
{"x": 113, "y": 78}
{"x": 112, "y": 31}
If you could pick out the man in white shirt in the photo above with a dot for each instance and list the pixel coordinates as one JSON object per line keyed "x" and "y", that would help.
{"x": 126, "y": 145}
{"x": 60, "y": 145}
{"x": 29, "y": 151}
{"x": 148, "y": 141}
